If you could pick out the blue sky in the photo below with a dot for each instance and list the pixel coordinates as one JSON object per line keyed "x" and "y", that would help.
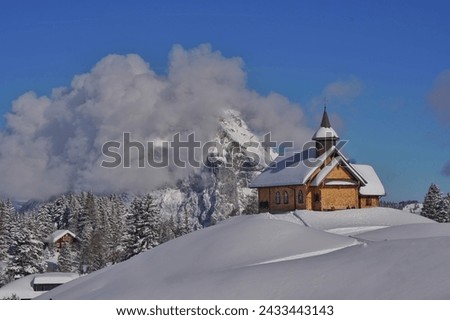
{"x": 392, "y": 51}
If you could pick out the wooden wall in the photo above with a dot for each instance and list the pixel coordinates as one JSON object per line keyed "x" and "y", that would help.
{"x": 329, "y": 197}
{"x": 339, "y": 197}
{"x": 339, "y": 173}
{"x": 369, "y": 201}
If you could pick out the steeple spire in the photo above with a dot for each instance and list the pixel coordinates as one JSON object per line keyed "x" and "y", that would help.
{"x": 325, "y": 136}
{"x": 325, "y": 121}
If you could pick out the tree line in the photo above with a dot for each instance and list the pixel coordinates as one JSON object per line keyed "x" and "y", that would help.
{"x": 436, "y": 205}
{"x": 108, "y": 230}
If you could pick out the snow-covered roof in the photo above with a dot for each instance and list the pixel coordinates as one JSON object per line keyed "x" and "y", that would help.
{"x": 296, "y": 168}
{"x": 339, "y": 159}
{"x": 293, "y": 168}
{"x": 373, "y": 187}
{"x": 54, "y": 277}
{"x": 325, "y": 133}
{"x": 340, "y": 183}
{"x": 23, "y": 287}
{"x": 58, "y": 234}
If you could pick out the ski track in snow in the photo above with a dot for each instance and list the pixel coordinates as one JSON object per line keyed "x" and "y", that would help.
{"x": 303, "y": 255}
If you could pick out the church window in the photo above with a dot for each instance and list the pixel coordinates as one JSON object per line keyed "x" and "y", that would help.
{"x": 286, "y": 198}
{"x": 277, "y": 197}
{"x": 300, "y": 196}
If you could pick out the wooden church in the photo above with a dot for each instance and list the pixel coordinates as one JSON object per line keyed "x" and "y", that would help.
{"x": 320, "y": 178}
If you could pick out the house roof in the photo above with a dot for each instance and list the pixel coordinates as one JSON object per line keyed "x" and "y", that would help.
{"x": 54, "y": 277}
{"x": 58, "y": 234}
{"x": 23, "y": 287}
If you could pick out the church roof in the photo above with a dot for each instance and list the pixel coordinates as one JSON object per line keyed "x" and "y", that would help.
{"x": 325, "y": 120}
{"x": 293, "y": 168}
{"x": 297, "y": 168}
{"x": 302, "y": 167}
{"x": 325, "y": 131}
{"x": 373, "y": 187}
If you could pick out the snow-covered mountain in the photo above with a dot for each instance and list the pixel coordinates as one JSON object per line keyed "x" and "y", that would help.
{"x": 220, "y": 190}
{"x": 210, "y": 193}
{"x": 277, "y": 257}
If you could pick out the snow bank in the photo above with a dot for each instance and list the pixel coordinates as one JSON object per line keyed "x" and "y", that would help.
{"x": 408, "y": 231}
{"x": 179, "y": 266}
{"x": 355, "y": 221}
{"x": 276, "y": 257}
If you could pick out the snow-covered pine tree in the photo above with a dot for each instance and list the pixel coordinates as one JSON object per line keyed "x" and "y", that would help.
{"x": 143, "y": 226}
{"x": 116, "y": 236}
{"x": 5, "y": 238}
{"x": 443, "y": 213}
{"x": 87, "y": 221}
{"x": 26, "y": 250}
{"x": 68, "y": 259}
{"x": 100, "y": 242}
{"x": 183, "y": 225}
{"x": 431, "y": 203}
{"x": 5, "y": 225}
{"x": 167, "y": 230}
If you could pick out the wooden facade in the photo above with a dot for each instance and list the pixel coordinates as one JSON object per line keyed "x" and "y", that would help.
{"x": 320, "y": 198}
{"x": 59, "y": 238}
{"x": 65, "y": 239}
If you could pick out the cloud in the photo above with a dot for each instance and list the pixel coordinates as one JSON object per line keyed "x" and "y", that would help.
{"x": 439, "y": 96}
{"x": 343, "y": 90}
{"x": 52, "y": 144}
{"x": 337, "y": 94}
{"x": 446, "y": 169}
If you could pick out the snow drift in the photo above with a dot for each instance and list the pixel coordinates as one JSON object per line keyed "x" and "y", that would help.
{"x": 277, "y": 257}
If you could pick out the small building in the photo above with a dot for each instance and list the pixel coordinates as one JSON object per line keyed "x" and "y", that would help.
{"x": 60, "y": 237}
{"x": 33, "y": 285}
{"x": 319, "y": 178}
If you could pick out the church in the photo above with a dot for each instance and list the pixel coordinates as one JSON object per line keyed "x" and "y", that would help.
{"x": 320, "y": 178}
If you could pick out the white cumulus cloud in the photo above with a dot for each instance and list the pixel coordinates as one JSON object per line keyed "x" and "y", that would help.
{"x": 52, "y": 144}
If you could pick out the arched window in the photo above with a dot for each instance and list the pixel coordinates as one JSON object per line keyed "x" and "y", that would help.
{"x": 286, "y": 198}
{"x": 300, "y": 196}
{"x": 277, "y": 197}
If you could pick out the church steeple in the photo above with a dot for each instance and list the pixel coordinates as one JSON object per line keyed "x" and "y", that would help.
{"x": 325, "y": 121}
{"x": 325, "y": 136}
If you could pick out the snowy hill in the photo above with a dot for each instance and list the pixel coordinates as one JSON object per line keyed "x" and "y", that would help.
{"x": 413, "y": 208}
{"x": 355, "y": 221}
{"x": 278, "y": 257}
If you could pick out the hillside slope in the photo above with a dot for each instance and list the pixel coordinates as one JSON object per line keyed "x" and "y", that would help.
{"x": 276, "y": 257}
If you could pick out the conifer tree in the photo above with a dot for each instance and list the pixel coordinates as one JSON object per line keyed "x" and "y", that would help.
{"x": 143, "y": 226}
{"x": 67, "y": 259}
{"x": 443, "y": 212}
{"x": 116, "y": 236}
{"x": 432, "y": 203}
{"x": 26, "y": 250}
{"x": 5, "y": 225}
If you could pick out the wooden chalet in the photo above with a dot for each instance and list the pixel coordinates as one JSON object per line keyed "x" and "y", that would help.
{"x": 320, "y": 178}
{"x": 60, "y": 237}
